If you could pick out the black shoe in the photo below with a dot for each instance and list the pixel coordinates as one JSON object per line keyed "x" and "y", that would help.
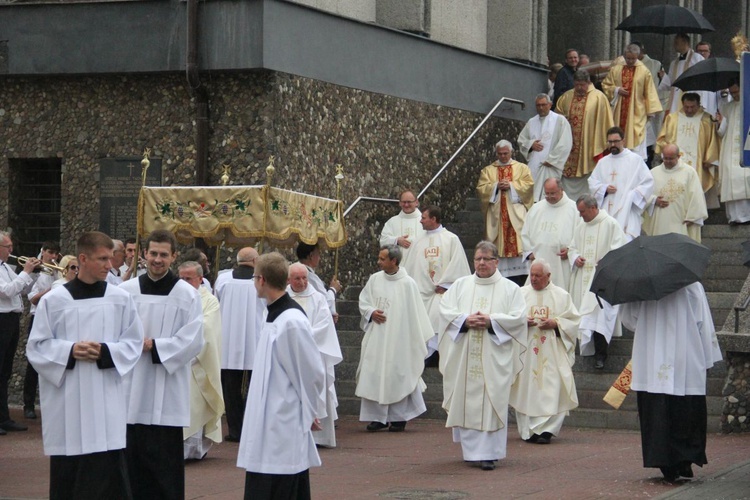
{"x": 545, "y": 438}
{"x": 685, "y": 469}
{"x": 487, "y": 464}
{"x": 670, "y": 473}
{"x": 397, "y": 427}
{"x": 29, "y": 413}
{"x": 532, "y": 439}
{"x": 599, "y": 364}
{"x": 376, "y": 426}
{"x": 12, "y": 426}
{"x": 232, "y": 439}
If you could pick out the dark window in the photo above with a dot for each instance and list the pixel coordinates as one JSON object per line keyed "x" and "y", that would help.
{"x": 34, "y": 203}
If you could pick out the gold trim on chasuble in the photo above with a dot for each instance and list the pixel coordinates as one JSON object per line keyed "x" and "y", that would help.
{"x": 474, "y": 368}
{"x": 628, "y": 74}
{"x": 576, "y": 115}
{"x": 510, "y": 242}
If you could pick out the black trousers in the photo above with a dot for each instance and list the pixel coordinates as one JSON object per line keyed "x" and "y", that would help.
{"x": 234, "y": 384}
{"x": 93, "y": 476}
{"x": 155, "y": 461}
{"x": 9, "y": 332}
{"x": 673, "y": 429}
{"x": 277, "y": 486}
{"x": 31, "y": 380}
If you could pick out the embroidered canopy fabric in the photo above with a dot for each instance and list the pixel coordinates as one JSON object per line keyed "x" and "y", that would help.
{"x": 241, "y": 215}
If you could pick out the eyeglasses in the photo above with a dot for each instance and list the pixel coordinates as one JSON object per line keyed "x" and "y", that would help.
{"x": 72, "y": 268}
{"x": 614, "y": 142}
{"x": 484, "y": 259}
{"x": 408, "y": 202}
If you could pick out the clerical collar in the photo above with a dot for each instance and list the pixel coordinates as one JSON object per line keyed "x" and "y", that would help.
{"x": 682, "y": 57}
{"x": 80, "y": 290}
{"x": 243, "y": 273}
{"x": 414, "y": 215}
{"x": 162, "y": 286}
{"x": 283, "y": 303}
{"x": 495, "y": 277}
{"x": 436, "y": 230}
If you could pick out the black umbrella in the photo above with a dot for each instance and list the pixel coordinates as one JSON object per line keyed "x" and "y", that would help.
{"x": 712, "y": 74}
{"x": 667, "y": 20}
{"x": 649, "y": 268}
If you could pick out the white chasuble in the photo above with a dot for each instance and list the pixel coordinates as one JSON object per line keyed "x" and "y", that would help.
{"x": 85, "y": 408}
{"x": 635, "y": 184}
{"x": 674, "y": 344}
{"x": 324, "y": 334}
{"x": 479, "y": 367}
{"x": 553, "y": 131}
{"x": 440, "y": 260}
{"x": 545, "y": 386}
{"x": 206, "y": 397}
{"x": 392, "y": 356}
{"x": 681, "y": 187}
{"x": 549, "y": 229}
{"x": 403, "y": 225}
{"x": 592, "y": 241}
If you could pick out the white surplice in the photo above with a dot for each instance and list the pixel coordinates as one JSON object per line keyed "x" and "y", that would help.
{"x": 555, "y": 135}
{"x": 676, "y": 68}
{"x": 241, "y": 321}
{"x": 285, "y": 390}
{"x": 479, "y": 367}
{"x": 324, "y": 333}
{"x": 629, "y": 174}
{"x": 548, "y": 229}
{"x": 407, "y": 225}
{"x": 392, "y": 356}
{"x": 317, "y": 283}
{"x": 85, "y": 408}
{"x": 674, "y": 344}
{"x": 159, "y": 393}
{"x": 592, "y": 241}
{"x": 545, "y": 389}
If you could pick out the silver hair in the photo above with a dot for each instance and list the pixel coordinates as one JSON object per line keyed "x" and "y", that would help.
{"x": 5, "y": 234}
{"x": 394, "y": 252}
{"x": 486, "y": 246}
{"x": 633, "y": 49}
{"x": 502, "y": 143}
{"x": 543, "y": 96}
{"x": 191, "y": 264}
{"x": 587, "y": 200}
{"x": 558, "y": 182}
{"x": 545, "y": 265}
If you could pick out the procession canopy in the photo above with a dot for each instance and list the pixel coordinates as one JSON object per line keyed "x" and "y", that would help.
{"x": 241, "y": 215}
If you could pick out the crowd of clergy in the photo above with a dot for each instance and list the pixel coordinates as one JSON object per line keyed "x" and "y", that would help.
{"x": 136, "y": 374}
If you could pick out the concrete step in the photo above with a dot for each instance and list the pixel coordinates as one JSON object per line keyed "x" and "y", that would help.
{"x": 712, "y": 231}
{"x": 346, "y": 388}
{"x": 722, "y": 285}
{"x": 348, "y": 322}
{"x": 603, "y": 419}
{"x": 348, "y": 307}
{"x": 594, "y": 400}
{"x": 601, "y": 382}
{"x": 351, "y": 293}
{"x": 469, "y": 216}
{"x": 350, "y": 406}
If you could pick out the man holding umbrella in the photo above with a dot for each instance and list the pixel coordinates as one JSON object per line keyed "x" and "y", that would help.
{"x": 735, "y": 180}
{"x": 674, "y": 345}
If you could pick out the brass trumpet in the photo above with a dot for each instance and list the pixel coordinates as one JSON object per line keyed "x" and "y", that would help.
{"x": 50, "y": 268}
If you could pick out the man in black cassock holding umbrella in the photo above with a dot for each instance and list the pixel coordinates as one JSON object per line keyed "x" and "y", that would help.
{"x": 674, "y": 345}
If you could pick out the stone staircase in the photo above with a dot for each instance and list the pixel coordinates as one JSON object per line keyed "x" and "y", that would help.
{"x": 723, "y": 280}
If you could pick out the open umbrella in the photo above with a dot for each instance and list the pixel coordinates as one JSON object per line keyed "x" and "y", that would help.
{"x": 649, "y": 268}
{"x": 712, "y": 74}
{"x": 666, "y": 20}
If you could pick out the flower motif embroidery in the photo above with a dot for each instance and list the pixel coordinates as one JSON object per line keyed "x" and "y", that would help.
{"x": 536, "y": 350}
{"x": 544, "y": 337}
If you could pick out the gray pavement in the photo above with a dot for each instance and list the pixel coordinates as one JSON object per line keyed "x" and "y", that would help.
{"x": 423, "y": 463}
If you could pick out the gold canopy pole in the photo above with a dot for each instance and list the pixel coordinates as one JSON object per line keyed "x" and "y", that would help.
{"x": 270, "y": 170}
{"x": 339, "y": 177}
{"x": 145, "y": 163}
{"x": 220, "y": 245}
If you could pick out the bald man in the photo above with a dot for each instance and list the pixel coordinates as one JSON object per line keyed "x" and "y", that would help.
{"x": 241, "y": 322}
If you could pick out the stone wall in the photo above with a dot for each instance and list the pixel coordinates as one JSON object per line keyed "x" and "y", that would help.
{"x": 736, "y": 393}
{"x": 384, "y": 144}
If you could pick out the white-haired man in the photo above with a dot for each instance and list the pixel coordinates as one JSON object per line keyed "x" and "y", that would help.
{"x": 324, "y": 332}
{"x": 545, "y": 390}
{"x": 505, "y": 189}
{"x": 545, "y": 141}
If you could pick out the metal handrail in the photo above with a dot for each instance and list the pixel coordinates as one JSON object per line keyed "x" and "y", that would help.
{"x": 737, "y": 311}
{"x": 450, "y": 160}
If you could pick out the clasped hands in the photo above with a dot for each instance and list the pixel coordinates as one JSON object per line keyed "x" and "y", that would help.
{"x": 87, "y": 351}
{"x": 478, "y": 321}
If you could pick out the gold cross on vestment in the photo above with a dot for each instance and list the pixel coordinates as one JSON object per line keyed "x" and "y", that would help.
{"x": 612, "y": 176}
{"x": 476, "y": 372}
